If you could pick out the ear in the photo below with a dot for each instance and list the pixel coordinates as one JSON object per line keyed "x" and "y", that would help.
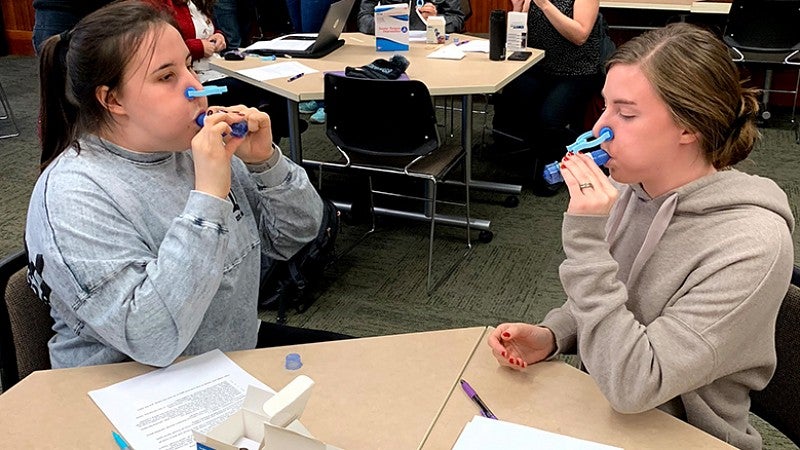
{"x": 688, "y": 137}
{"x": 108, "y": 99}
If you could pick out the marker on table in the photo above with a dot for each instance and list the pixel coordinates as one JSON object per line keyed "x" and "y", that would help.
{"x": 485, "y": 411}
{"x": 120, "y": 442}
{"x": 294, "y": 77}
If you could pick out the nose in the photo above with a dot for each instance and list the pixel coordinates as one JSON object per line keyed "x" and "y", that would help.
{"x": 600, "y": 124}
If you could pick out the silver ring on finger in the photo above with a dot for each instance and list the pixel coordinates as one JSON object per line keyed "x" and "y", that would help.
{"x": 586, "y": 186}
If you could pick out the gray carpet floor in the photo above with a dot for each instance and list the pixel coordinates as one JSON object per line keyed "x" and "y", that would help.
{"x": 379, "y": 287}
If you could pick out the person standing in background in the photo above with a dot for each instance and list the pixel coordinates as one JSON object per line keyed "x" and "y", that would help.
{"x": 231, "y": 20}
{"x": 52, "y": 17}
{"x": 544, "y": 106}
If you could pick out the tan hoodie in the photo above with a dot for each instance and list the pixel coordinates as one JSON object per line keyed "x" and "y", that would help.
{"x": 673, "y": 300}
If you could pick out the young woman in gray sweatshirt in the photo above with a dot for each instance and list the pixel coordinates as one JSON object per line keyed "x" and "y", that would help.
{"x": 676, "y": 265}
{"x": 145, "y": 230}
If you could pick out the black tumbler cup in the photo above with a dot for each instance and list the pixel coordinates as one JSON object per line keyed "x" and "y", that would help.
{"x": 497, "y": 35}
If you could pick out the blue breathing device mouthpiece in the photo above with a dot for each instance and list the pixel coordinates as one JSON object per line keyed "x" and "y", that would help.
{"x": 238, "y": 129}
{"x": 552, "y": 171}
{"x": 207, "y": 90}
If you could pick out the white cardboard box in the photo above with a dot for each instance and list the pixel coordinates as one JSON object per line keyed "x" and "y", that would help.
{"x": 516, "y": 32}
{"x": 266, "y": 422}
{"x": 391, "y": 27}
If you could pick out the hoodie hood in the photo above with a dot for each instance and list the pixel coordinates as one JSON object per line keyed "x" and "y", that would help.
{"x": 720, "y": 192}
{"x": 731, "y": 189}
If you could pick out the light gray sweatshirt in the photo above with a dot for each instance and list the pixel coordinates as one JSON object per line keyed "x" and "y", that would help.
{"x": 673, "y": 300}
{"x": 137, "y": 265}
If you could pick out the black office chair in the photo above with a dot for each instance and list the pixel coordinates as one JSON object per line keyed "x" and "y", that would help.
{"x": 401, "y": 114}
{"x": 779, "y": 402}
{"x": 25, "y": 323}
{"x": 766, "y": 33}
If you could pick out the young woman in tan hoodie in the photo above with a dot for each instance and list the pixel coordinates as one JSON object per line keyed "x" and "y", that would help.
{"x": 677, "y": 263}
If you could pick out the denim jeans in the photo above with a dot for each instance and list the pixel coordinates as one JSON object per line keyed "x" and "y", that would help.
{"x": 307, "y": 15}
{"x": 226, "y": 19}
{"x": 51, "y": 22}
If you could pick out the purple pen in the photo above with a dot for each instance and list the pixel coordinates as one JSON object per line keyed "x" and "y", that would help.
{"x": 485, "y": 411}
{"x": 238, "y": 129}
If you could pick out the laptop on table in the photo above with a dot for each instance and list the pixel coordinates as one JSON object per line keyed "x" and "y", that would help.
{"x": 309, "y": 45}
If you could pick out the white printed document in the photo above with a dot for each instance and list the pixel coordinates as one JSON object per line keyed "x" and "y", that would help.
{"x": 450, "y": 51}
{"x": 160, "y": 409}
{"x": 279, "y": 70}
{"x": 482, "y": 433}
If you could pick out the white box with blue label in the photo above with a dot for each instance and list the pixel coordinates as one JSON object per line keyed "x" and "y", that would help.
{"x": 391, "y": 27}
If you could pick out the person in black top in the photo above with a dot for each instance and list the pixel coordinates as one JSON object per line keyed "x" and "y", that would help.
{"x": 544, "y": 106}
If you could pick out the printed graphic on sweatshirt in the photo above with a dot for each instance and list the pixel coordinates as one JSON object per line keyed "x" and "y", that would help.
{"x": 36, "y": 280}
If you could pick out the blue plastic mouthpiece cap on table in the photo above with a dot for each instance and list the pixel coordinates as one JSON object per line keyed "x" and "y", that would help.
{"x": 238, "y": 129}
{"x": 293, "y": 361}
{"x": 207, "y": 90}
{"x": 552, "y": 171}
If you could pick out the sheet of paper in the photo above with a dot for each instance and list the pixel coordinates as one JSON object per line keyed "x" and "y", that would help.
{"x": 482, "y": 433}
{"x": 160, "y": 409}
{"x": 279, "y": 70}
{"x": 474, "y": 45}
{"x": 417, "y": 35}
{"x": 448, "y": 52}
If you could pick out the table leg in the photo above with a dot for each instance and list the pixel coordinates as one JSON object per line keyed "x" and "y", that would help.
{"x": 466, "y": 140}
{"x": 295, "y": 143}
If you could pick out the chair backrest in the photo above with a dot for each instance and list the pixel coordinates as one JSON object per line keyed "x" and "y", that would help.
{"x": 779, "y": 402}
{"x": 770, "y": 26}
{"x": 25, "y": 323}
{"x": 380, "y": 117}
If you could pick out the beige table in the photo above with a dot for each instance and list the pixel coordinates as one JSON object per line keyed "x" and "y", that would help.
{"x": 370, "y": 394}
{"x": 393, "y": 392}
{"x": 475, "y": 74}
{"x": 559, "y": 398}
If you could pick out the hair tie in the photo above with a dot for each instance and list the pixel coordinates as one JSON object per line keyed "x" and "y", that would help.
{"x": 741, "y": 118}
{"x": 66, "y": 36}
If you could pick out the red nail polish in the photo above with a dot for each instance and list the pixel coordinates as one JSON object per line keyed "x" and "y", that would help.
{"x": 566, "y": 157}
{"x": 506, "y": 334}
{"x": 511, "y": 360}
{"x": 563, "y": 166}
{"x": 503, "y": 353}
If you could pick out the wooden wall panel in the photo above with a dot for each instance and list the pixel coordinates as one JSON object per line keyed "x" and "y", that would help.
{"x": 18, "y": 26}
{"x": 478, "y": 22}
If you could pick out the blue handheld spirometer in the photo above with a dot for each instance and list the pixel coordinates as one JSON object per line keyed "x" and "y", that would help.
{"x": 552, "y": 171}
{"x": 238, "y": 129}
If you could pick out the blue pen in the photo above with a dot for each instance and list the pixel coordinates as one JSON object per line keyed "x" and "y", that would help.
{"x": 552, "y": 171}
{"x": 191, "y": 92}
{"x": 120, "y": 442}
